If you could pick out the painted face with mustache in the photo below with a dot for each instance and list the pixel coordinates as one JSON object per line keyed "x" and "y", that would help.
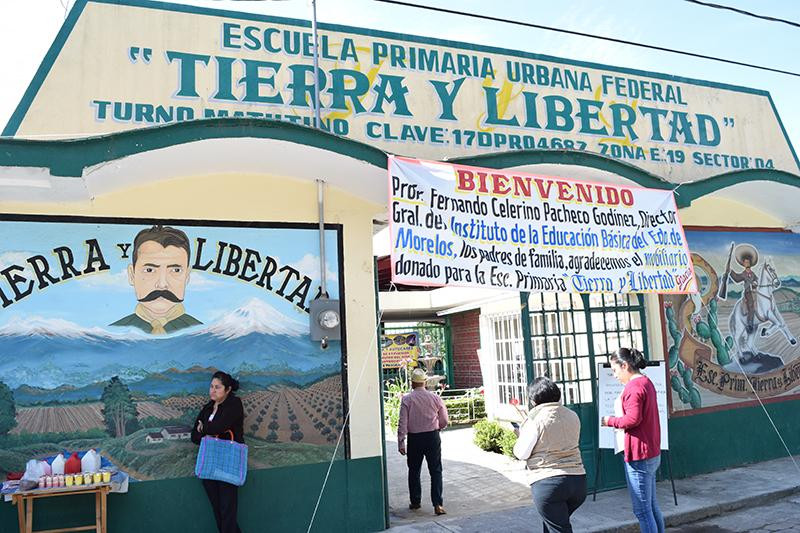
{"x": 159, "y": 276}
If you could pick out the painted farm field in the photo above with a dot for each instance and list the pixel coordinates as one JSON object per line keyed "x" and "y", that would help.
{"x": 80, "y": 417}
{"x": 193, "y": 402}
{"x": 281, "y": 414}
{"x": 157, "y": 410}
{"x": 145, "y": 460}
{"x": 59, "y": 419}
{"x": 284, "y": 425}
{"x": 170, "y": 459}
{"x": 310, "y": 415}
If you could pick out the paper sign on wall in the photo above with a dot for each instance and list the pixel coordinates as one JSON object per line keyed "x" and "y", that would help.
{"x": 397, "y": 349}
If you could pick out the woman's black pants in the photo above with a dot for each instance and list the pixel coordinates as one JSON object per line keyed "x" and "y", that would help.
{"x": 224, "y": 500}
{"x": 556, "y": 498}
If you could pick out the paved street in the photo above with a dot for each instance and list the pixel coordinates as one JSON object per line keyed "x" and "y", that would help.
{"x": 474, "y": 481}
{"x": 484, "y": 492}
{"x": 783, "y": 516}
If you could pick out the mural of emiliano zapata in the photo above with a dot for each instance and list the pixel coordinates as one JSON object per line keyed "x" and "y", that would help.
{"x": 747, "y": 257}
{"x": 159, "y": 273}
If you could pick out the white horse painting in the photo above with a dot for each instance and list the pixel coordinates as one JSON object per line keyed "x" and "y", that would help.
{"x": 767, "y": 319}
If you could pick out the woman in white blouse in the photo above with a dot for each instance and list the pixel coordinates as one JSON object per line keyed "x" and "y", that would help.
{"x": 548, "y": 443}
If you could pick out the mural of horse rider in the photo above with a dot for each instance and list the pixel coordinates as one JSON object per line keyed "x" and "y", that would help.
{"x": 159, "y": 273}
{"x": 755, "y": 307}
{"x": 747, "y": 257}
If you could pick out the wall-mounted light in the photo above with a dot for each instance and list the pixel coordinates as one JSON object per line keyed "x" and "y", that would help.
{"x": 326, "y": 321}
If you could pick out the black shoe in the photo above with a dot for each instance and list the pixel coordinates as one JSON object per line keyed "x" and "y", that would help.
{"x": 414, "y": 506}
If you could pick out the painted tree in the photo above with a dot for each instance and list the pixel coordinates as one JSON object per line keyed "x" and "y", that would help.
{"x": 119, "y": 410}
{"x": 8, "y": 409}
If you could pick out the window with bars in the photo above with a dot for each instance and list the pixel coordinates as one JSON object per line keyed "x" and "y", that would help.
{"x": 572, "y": 332}
{"x": 617, "y": 321}
{"x": 559, "y": 343}
{"x": 509, "y": 357}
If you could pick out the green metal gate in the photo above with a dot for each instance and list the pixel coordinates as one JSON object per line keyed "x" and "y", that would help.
{"x": 568, "y": 335}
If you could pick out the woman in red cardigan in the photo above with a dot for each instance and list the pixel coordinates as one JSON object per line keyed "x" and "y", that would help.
{"x": 642, "y": 436}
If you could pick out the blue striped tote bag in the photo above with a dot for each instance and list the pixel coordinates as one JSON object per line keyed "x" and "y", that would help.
{"x": 222, "y": 460}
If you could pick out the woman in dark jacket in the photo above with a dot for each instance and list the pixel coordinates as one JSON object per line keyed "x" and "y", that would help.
{"x": 221, "y": 414}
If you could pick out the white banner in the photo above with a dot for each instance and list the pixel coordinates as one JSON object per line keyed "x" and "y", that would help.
{"x": 478, "y": 227}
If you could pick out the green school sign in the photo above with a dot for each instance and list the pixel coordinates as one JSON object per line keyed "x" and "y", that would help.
{"x": 407, "y": 95}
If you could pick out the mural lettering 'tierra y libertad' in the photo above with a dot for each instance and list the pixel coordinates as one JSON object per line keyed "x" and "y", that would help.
{"x": 225, "y": 259}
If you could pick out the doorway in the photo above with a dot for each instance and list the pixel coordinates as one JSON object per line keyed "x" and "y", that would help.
{"x": 569, "y": 334}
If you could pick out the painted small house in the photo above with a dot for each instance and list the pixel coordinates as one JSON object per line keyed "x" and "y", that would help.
{"x": 153, "y": 438}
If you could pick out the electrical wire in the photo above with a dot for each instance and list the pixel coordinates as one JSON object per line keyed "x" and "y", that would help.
{"x": 373, "y": 345}
{"x": 65, "y": 5}
{"x": 743, "y": 12}
{"x": 593, "y": 36}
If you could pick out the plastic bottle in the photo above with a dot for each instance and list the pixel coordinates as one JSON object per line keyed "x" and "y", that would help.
{"x": 58, "y": 465}
{"x": 73, "y": 464}
{"x": 89, "y": 462}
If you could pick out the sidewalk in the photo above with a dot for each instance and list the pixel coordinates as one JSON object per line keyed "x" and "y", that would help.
{"x": 475, "y": 481}
{"x": 483, "y": 493}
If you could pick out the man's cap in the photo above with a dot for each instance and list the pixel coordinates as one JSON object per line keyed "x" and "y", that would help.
{"x": 419, "y": 376}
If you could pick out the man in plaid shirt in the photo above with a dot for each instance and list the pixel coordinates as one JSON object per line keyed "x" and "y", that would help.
{"x": 422, "y": 416}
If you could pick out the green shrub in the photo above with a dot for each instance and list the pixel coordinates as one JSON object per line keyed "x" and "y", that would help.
{"x": 507, "y": 442}
{"x": 492, "y": 437}
{"x": 465, "y": 409}
{"x": 462, "y": 409}
{"x": 487, "y": 435}
{"x": 391, "y": 406}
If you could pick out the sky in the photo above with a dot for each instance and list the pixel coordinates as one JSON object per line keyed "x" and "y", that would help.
{"x": 27, "y": 28}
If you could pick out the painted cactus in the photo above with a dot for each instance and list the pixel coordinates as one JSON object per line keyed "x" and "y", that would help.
{"x": 675, "y": 333}
{"x": 710, "y": 331}
{"x": 681, "y": 379}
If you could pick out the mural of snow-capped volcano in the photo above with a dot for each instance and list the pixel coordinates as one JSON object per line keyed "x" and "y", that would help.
{"x": 74, "y": 362}
{"x": 110, "y": 333}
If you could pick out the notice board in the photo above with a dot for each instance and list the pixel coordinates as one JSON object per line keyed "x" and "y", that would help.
{"x": 609, "y": 389}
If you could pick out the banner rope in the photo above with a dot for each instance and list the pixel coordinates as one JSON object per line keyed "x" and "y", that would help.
{"x": 764, "y": 407}
{"x": 372, "y": 346}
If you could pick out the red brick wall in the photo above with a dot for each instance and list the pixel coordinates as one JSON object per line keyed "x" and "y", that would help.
{"x": 466, "y": 336}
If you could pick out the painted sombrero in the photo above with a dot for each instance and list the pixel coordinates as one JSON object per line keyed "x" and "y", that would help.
{"x": 746, "y": 251}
